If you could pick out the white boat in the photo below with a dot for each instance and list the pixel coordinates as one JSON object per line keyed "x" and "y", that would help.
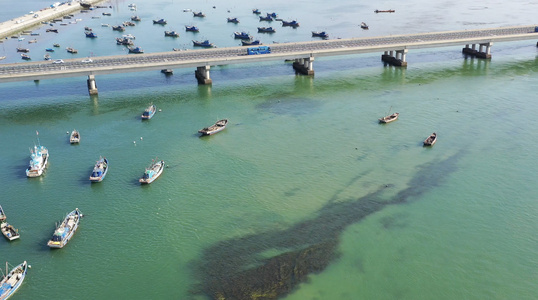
{"x": 38, "y": 162}
{"x": 99, "y": 170}
{"x": 218, "y": 126}
{"x": 9, "y": 232}
{"x": 152, "y": 172}
{"x": 12, "y": 281}
{"x": 66, "y": 230}
{"x": 74, "y": 137}
{"x": 2, "y": 214}
{"x": 149, "y": 112}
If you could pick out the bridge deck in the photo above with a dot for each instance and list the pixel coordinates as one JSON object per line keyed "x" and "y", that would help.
{"x": 237, "y": 55}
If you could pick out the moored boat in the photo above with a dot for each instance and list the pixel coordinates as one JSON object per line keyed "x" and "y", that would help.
{"x": 124, "y": 41}
{"x": 9, "y": 231}
{"x": 12, "y": 281}
{"x": 74, "y": 137}
{"x": 71, "y": 50}
{"x": 242, "y": 35}
{"x": 431, "y": 140}
{"x": 25, "y": 56}
{"x": 152, "y": 172}
{"x": 65, "y": 231}
{"x": 256, "y": 11}
{"x": 191, "y": 28}
{"x": 2, "y": 214}
{"x": 99, "y": 170}
{"x": 149, "y": 112}
{"x": 384, "y": 11}
{"x": 171, "y": 33}
{"x": 136, "y": 50}
{"x": 25, "y": 50}
{"x": 250, "y": 42}
{"x": 389, "y": 118}
{"x": 321, "y": 34}
{"x": 205, "y": 44}
{"x": 266, "y": 18}
{"x": 266, "y": 29}
{"x": 160, "y": 21}
{"x": 218, "y": 126}
{"x": 38, "y": 162}
{"x": 293, "y": 23}
{"x": 136, "y": 18}
{"x": 46, "y": 57}
{"x": 198, "y": 14}
{"x": 49, "y": 50}
{"x": 364, "y": 25}
{"x": 118, "y": 28}
{"x": 232, "y": 20}
{"x": 90, "y": 34}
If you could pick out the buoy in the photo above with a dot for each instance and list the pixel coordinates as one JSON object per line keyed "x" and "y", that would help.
{"x": 140, "y": 138}
{"x": 160, "y": 109}
{"x": 29, "y": 266}
{"x": 134, "y": 142}
{"x": 67, "y": 132}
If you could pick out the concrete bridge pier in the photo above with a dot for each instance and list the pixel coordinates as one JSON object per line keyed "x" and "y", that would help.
{"x": 398, "y": 60}
{"x": 202, "y": 75}
{"x": 484, "y": 50}
{"x": 92, "y": 86}
{"x": 304, "y": 66}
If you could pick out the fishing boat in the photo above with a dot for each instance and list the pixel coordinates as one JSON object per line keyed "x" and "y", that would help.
{"x": 12, "y": 280}
{"x": 250, "y": 42}
{"x": 136, "y": 18}
{"x": 390, "y": 118}
{"x": 74, "y": 138}
{"x": 218, "y": 126}
{"x": 205, "y": 44}
{"x": 25, "y": 56}
{"x": 171, "y": 33}
{"x": 105, "y": 25}
{"x": 52, "y": 30}
{"x": 2, "y": 57}
{"x": 90, "y": 34}
{"x": 232, "y": 20}
{"x": 321, "y": 34}
{"x": 198, "y": 14}
{"x": 272, "y": 15}
{"x": 266, "y": 18}
{"x": 118, "y": 28}
{"x": 46, "y": 57}
{"x": 49, "y": 50}
{"x": 266, "y": 29}
{"x": 56, "y": 45}
{"x": 99, "y": 170}
{"x": 256, "y": 11}
{"x": 384, "y": 11}
{"x": 38, "y": 162}
{"x": 293, "y": 23}
{"x": 32, "y": 41}
{"x": 136, "y": 50}
{"x": 2, "y": 214}
{"x": 9, "y": 231}
{"x": 107, "y": 14}
{"x": 65, "y": 231}
{"x": 152, "y": 172}
{"x": 431, "y": 140}
{"x": 129, "y": 23}
{"x": 149, "y": 112}
{"x": 160, "y": 21}
{"x": 25, "y": 50}
{"x": 191, "y": 28}
{"x": 71, "y": 50}
{"x": 364, "y": 25}
{"x": 124, "y": 41}
{"x": 242, "y": 35}
{"x": 129, "y": 36}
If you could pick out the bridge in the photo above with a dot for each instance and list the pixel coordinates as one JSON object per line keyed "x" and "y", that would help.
{"x": 477, "y": 43}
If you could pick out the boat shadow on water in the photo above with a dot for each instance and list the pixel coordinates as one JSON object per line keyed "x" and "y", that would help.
{"x": 238, "y": 269}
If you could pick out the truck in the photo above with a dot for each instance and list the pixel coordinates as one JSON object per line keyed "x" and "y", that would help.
{"x": 258, "y": 50}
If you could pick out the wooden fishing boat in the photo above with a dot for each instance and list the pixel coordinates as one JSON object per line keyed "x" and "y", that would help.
{"x": 390, "y": 118}
{"x": 74, "y": 138}
{"x": 250, "y": 42}
{"x": 191, "y": 28}
{"x": 25, "y": 56}
{"x": 12, "y": 281}
{"x": 321, "y": 34}
{"x": 384, "y": 11}
{"x": 9, "y": 231}
{"x": 2, "y": 214}
{"x": 256, "y": 11}
{"x": 233, "y": 20}
{"x": 152, "y": 172}
{"x": 171, "y": 33}
{"x": 266, "y": 29}
{"x": 205, "y": 44}
{"x": 39, "y": 158}
{"x": 160, "y": 21}
{"x": 136, "y": 50}
{"x": 71, "y": 50}
{"x": 292, "y": 23}
{"x": 198, "y": 14}
{"x": 364, "y": 25}
{"x": 65, "y": 231}
{"x": 218, "y": 126}
{"x": 266, "y": 18}
{"x": 149, "y": 112}
{"x": 25, "y": 50}
{"x": 242, "y": 35}
{"x": 136, "y": 18}
{"x": 431, "y": 140}
{"x": 99, "y": 170}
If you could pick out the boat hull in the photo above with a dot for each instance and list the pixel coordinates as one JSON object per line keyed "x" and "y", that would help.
{"x": 9, "y": 232}
{"x": 149, "y": 180}
{"x": 39, "y": 171}
{"x": 217, "y": 127}
{"x": 105, "y": 171}
{"x": 15, "y": 279}
{"x": 74, "y": 226}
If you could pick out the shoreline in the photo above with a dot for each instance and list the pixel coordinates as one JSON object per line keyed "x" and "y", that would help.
{"x": 19, "y": 24}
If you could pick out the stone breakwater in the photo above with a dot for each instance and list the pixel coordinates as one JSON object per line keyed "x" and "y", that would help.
{"x": 30, "y": 20}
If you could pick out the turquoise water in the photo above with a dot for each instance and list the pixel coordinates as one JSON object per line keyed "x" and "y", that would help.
{"x": 302, "y": 166}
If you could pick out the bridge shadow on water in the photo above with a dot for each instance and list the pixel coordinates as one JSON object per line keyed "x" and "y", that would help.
{"x": 239, "y": 268}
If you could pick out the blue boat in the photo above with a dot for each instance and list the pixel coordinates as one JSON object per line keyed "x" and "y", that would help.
{"x": 321, "y": 34}
{"x": 293, "y": 23}
{"x": 191, "y": 28}
{"x": 49, "y": 50}
{"x": 90, "y": 34}
{"x": 242, "y": 35}
{"x": 272, "y": 15}
{"x": 233, "y": 20}
{"x": 266, "y": 29}
{"x": 136, "y": 50}
{"x": 205, "y": 44}
{"x": 99, "y": 170}
{"x": 256, "y": 11}
{"x": 267, "y": 18}
{"x": 160, "y": 21}
{"x": 171, "y": 33}
{"x": 250, "y": 42}
{"x": 198, "y": 14}
{"x": 12, "y": 281}
{"x": 65, "y": 231}
{"x": 149, "y": 112}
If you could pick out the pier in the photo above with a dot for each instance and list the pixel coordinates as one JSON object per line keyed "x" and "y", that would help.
{"x": 393, "y": 49}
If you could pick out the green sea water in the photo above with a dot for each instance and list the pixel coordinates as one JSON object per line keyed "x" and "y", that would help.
{"x": 303, "y": 162}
